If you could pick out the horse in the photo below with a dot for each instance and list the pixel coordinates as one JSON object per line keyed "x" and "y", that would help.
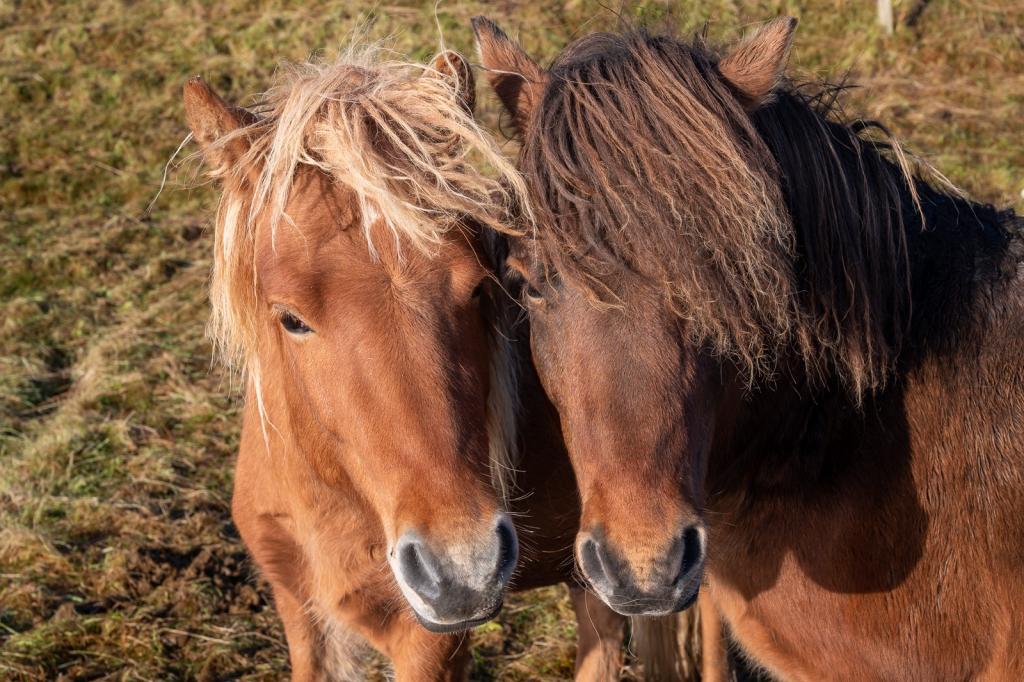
{"x": 386, "y": 406}
{"x": 785, "y": 354}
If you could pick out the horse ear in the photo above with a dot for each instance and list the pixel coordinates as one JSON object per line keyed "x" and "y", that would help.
{"x": 211, "y": 118}
{"x": 516, "y": 78}
{"x": 755, "y": 65}
{"x": 452, "y": 65}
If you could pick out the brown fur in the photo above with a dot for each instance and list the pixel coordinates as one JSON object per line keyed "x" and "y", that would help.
{"x": 864, "y": 502}
{"x": 376, "y": 421}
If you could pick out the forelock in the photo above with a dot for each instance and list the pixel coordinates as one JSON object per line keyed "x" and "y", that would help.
{"x": 641, "y": 159}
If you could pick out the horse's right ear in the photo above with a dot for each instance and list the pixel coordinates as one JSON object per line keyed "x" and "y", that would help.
{"x": 211, "y": 119}
{"x": 454, "y": 67}
{"x": 517, "y": 80}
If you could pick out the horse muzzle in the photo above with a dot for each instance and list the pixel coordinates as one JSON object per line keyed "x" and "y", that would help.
{"x": 666, "y": 585}
{"x": 455, "y": 587}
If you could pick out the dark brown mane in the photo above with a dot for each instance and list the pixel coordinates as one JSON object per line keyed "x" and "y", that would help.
{"x": 819, "y": 509}
{"x": 785, "y": 229}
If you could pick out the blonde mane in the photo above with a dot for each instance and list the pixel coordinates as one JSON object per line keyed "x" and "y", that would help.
{"x": 400, "y": 137}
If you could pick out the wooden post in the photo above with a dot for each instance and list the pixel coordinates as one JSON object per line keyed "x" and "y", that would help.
{"x": 885, "y": 15}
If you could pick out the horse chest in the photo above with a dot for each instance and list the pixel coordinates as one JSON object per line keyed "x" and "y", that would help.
{"x": 871, "y": 579}
{"x": 321, "y": 550}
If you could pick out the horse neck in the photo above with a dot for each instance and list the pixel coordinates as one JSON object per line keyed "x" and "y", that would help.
{"x": 880, "y": 254}
{"x": 965, "y": 261}
{"x": 779, "y": 439}
{"x": 541, "y": 443}
{"x": 960, "y": 264}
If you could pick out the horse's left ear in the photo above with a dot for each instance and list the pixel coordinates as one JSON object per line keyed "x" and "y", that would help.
{"x": 517, "y": 79}
{"x": 452, "y": 65}
{"x": 755, "y": 65}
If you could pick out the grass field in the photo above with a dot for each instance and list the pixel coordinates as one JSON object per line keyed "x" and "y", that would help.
{"x": 118, "y": 559}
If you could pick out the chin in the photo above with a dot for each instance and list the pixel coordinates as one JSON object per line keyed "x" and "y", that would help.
{"x": 450, "y": 627}
{"x": 660, "y": 607}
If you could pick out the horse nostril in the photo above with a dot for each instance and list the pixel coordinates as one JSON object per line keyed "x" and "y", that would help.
{"x": 419, "y": 569}
{"x": 590, "y": 562}
{"x": 693, "y": 553}
{"x": 598, "y": 566}
{"x": 508, "y": 548}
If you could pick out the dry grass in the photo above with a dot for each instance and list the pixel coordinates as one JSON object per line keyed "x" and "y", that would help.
{"x": 117, "y": 556}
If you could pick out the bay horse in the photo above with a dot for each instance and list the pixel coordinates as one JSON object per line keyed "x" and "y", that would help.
{"x": 385, "y": 405}
{"x": 786, "y": 357}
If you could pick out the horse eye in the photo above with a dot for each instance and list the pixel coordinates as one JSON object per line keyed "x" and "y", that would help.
{"x": 479, "y": 290}
{"x": 294, "y": 325}
{"x": 532, "y": 294}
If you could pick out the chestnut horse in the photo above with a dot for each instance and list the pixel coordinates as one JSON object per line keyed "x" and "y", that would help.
{"x": 351, "y": 285}
{"x": 784, "y": 354}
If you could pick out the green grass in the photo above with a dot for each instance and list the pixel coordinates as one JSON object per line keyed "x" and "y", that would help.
{"x": 117, "y": 556}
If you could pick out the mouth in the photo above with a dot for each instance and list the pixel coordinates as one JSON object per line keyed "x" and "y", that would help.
{"x": 458, "y": 626}
{"x": 635, "y": 605}
{"x": 687, "y": 601}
